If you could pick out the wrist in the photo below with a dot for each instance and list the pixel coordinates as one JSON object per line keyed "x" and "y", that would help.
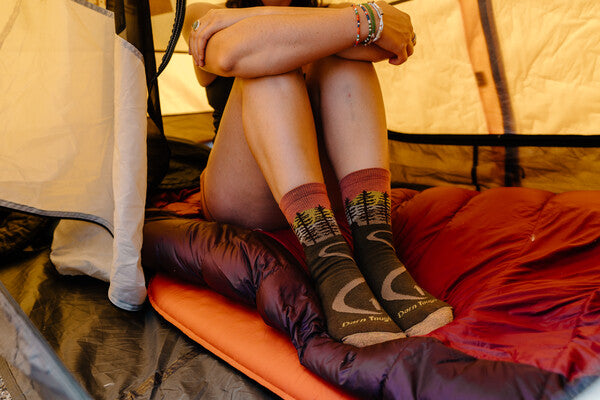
{"x": 368, "y": 21}
{"x": 360, "y": 24}
{"x": 364, "y": 23}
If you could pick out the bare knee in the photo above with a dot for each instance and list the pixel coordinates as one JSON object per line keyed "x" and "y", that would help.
{"x": 338, "y": 68}
{"x": 272, "y": 83}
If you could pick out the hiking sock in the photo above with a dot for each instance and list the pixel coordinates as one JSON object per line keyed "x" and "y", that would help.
{"x": 367, "y": 202}
{"x": 353, "y": 314}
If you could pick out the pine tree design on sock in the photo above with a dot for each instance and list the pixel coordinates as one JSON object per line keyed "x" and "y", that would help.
{"x": 353, "y": 314}
{"x": 369, "y": 208}
{"x": 414, "y": 310}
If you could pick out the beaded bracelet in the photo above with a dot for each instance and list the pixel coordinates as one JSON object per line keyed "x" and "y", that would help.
{"x": 371, "y": 21}
{"x": 357, "y": 41}
{"x": 369, "y": 7}
{"x": 380, "y": 15}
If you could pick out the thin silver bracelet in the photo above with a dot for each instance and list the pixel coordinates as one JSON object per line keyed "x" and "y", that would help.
{"x": 380, "y": 15}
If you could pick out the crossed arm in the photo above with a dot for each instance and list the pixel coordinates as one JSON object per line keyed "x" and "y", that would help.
{"x": 260, "y": 41}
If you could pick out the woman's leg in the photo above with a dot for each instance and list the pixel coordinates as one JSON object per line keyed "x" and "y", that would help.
{"x": 266, "y": 155}
{"x": 347, "y": 98}
{"x": 234, "y": 187}
{"x": 347, "y": 101}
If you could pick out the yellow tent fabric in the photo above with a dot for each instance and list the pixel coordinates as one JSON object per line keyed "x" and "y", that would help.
{"x": 73, "y": 135}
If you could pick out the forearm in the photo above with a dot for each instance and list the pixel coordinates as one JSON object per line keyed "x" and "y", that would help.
{"x": 372, "y": 53}
{"x": 274, "y": 40}
{"x": 272, "y": 44}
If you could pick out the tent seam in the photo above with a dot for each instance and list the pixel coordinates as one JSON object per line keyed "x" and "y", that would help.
{"x": 94, "y": 7}
{"x": 535, "y": 225}
{"x": 61, "y": 214}
{"x": 10, "y": 23}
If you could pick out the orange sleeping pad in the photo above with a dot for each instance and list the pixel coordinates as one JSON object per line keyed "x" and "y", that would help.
{"x": 239, "y": 336}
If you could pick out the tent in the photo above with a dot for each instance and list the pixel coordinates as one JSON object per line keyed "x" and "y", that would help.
{"x": 495, "y": 122}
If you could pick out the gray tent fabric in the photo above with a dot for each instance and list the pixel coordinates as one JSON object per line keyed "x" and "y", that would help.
{"x": 41, "y": 373}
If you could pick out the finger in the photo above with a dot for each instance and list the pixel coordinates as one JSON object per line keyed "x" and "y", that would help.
{"x": 201, "y": 38}
{"x": 202, "y": 41}
{"x": 192, "y": 47}
{"x": 203, "y": 34}
{"x": 400, "y": 58}
{"x": 191, "y": 35}
{"x": 403, "y": 55}
{"x": 200, "y": 52}
{"x": 198, "y": 57}
{"x": 208, "y": 30}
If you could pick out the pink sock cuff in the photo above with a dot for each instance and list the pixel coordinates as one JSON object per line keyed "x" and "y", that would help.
{"x": 302, "y": 198}
{"x": 369, "y": 179}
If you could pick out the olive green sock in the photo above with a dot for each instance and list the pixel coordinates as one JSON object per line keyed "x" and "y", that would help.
{"x": 413, "y": 309}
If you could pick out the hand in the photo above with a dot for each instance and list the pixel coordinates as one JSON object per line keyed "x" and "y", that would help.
{"x": 204, "y": 28}
{"x": 398, "y": 34}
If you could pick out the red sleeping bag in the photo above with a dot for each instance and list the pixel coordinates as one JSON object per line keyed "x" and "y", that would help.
{"x": 521, "y": 267}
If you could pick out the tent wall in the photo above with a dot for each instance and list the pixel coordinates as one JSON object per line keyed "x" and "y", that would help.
{"x": 177, "y": 95}
{"x": 536, "y": 98}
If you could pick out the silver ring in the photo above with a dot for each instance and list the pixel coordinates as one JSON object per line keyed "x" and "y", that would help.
{"x": 414, "y": 39}
{"x": 195, "y": 25}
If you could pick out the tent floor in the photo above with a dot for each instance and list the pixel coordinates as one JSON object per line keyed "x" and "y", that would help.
{"x": 115, "y": 353}
{"x": 4, "y": 394}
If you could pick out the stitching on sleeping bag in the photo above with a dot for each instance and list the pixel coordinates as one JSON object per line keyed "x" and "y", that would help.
{"x": 536, "y": 223}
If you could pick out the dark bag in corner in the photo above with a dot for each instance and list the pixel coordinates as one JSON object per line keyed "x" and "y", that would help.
{"x": 20, "y": 232}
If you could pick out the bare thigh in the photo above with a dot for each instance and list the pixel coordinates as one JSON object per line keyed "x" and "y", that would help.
{"x": 234, "y": 187}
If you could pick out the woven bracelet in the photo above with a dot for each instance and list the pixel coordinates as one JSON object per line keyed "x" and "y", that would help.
{"x": 357, "y": 41}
